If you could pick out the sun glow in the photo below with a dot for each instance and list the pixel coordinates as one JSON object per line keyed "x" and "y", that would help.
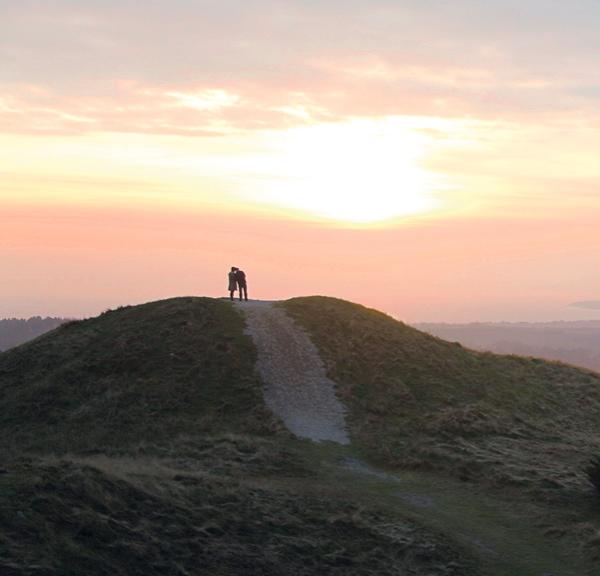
{"x": 360, "y": 171}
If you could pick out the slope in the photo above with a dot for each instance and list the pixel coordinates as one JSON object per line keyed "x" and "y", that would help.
{"x": 139, "y": 442}
{"x": 419, "y": 402}
{"x": 137, "y": 374}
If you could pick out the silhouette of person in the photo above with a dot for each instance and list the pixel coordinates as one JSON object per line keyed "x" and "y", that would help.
{"x": 240, "y": 277}
{"x": 232, "y": 276}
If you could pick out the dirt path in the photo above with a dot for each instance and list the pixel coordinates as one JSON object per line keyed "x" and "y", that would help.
{"x": 504, "y": 540}
{"x": 296, "y": 387}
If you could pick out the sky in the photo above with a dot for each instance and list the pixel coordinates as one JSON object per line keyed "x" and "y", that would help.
{"x": 436, "y": 160}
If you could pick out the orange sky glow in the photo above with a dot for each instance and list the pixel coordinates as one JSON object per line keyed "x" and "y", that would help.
{"x": 436, "y": 161}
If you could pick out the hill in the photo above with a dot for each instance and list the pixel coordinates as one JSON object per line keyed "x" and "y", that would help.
{"x": 140, "y": 442}
{"x": 15, "y": 331}
{"x": 136, "y": 374}
{"x": 419, "y": 401}
{"x": 576, "y": 343}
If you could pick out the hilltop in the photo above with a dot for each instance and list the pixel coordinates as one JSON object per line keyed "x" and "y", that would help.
{"x": 142, "y": 442}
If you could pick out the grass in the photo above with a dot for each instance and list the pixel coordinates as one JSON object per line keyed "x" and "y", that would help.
{"x": 136, "y": 374}
{"x": 419, "y": 402}
{"x": 179, "y": 515}
{"x": 505, "y": 536}
{"x": 138, "y": 442}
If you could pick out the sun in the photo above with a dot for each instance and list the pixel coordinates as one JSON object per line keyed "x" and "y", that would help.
{"x": 360, "y": 171}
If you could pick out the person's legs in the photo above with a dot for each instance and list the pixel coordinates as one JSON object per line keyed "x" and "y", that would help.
{"x": 231, "y": 294}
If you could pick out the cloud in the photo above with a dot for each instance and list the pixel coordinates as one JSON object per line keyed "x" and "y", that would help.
{"x": 187, "y": 111}
{"x": 280, "y": 63}
{"x": 205, "y": 99}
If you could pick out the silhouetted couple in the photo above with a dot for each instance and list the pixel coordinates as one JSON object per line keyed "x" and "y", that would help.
{"x": 237, "y": 281}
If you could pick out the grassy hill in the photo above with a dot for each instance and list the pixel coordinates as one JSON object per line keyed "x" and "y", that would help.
{"x": 138, "y": 442}
{"x": 136, "y": 374}
{"x": 418, "y": 401}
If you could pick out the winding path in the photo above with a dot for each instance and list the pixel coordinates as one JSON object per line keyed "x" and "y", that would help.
{"x": 296, "y": 387}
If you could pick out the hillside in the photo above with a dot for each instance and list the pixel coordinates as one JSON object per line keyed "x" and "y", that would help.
{"x": 137, "y": 374}
{"x": 16, "y": 331}
{"x": 576, "y": 343}
{"x": 418, "y": 401}
{"x": 138, "y": 442}
{"x": 141, "y": 442}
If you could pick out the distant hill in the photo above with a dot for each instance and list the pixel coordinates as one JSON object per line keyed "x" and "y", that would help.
{"x": 139, "y": 442}
{"x": 14, "y": 331}
{"x": 587, "y": 304}
{"x": 576, "y": 343}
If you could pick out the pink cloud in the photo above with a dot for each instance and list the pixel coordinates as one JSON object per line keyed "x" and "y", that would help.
{"x": 356, "y": 59}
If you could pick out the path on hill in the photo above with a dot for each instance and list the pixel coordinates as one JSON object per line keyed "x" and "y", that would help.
{"x": 296, "y": 387}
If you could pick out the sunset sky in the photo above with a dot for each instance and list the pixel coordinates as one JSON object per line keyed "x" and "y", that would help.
{"x": 437, "y": 160}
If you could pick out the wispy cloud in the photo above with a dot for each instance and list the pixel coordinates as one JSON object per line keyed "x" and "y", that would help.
{"x": 246, "y": 63}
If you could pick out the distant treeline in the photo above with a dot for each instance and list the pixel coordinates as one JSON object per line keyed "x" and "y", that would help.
{"x": 15, "y": 331}
{"x": 576, "y": 343}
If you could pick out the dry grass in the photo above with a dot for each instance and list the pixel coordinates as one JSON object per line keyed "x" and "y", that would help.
{"x": 151, "y": 452}
{"x": 128, "y": 516}
{"x": 144, "y": 373}
{"x": 418, "y": 401}
{"x": 522, "y": 427}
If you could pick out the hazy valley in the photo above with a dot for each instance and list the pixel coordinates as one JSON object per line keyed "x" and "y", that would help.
{"x": 576, "y": 343}
{"x": 16, "y": 331}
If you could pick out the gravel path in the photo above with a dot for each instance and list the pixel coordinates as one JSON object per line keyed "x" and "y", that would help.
{"x": 296, "y": 387}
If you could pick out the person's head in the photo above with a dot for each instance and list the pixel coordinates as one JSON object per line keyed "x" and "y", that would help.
{"x": 233, "y": 269}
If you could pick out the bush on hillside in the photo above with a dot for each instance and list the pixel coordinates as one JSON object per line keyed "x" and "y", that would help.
{"x": 593, "y": 473}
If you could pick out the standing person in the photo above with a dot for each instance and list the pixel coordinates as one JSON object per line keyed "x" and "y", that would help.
{"x": 232, "y": 276}
{"x": 240, "y": 276}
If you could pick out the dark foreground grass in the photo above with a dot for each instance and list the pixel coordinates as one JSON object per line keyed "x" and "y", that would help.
{"x": 139, "y": 517}
{"x": 420, "y": 402}
{"x": 507, "y": 536}
{"x": 143, "y": 373}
